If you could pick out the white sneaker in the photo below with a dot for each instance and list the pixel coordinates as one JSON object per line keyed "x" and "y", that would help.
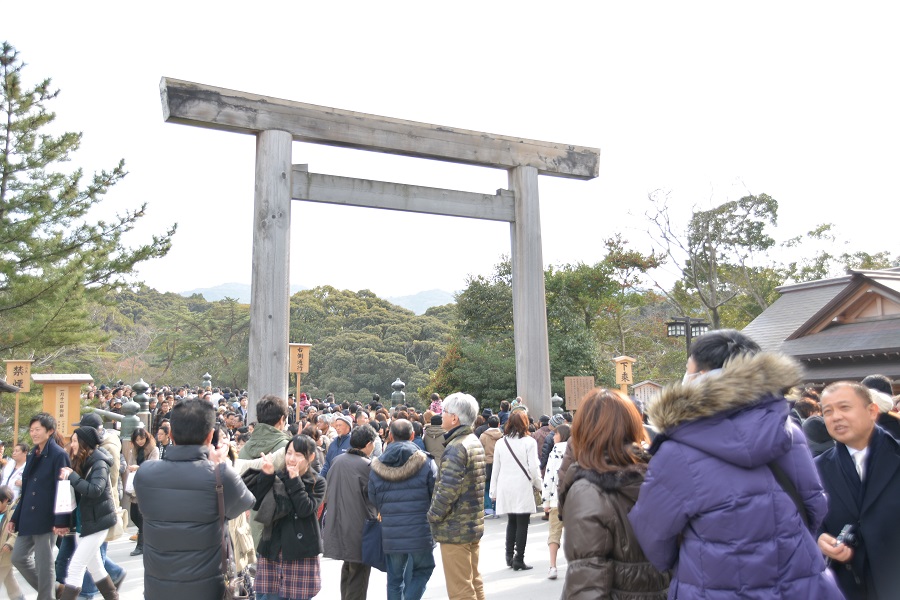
{"x": 552, "y": 574}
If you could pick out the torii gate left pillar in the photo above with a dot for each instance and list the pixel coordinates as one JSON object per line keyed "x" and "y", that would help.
{"x": 270, "y": 278}
{"x": 276, "y": 123}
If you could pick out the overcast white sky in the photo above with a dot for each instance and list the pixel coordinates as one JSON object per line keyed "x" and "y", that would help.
{"x": 709, "y": 100}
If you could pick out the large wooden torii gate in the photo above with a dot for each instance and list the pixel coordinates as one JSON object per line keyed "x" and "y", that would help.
{"x": 276, "y": 123}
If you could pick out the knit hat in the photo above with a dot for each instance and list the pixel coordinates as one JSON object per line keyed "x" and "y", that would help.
{"x": 557, "y": 420}
{"x": 346, "y": 419}
{"x": 87, "y": 436}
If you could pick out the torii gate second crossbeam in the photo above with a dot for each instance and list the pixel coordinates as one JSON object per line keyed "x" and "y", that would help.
{"x": 277, "y": 123}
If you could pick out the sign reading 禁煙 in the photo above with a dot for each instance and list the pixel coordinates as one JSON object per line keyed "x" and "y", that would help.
{"x": 18, "y": 373}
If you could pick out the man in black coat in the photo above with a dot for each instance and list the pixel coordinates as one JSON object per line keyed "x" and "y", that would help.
{"x": 34, "y": 517}
{"x": 861, "y": 476}
{"x": 182, "y": 534}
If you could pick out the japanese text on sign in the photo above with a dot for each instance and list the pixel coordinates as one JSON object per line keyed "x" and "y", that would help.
{"x": 18, "y": 373}
{"x": 298, "y": 358}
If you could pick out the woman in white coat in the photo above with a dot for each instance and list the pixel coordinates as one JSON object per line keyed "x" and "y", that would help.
{"x": 515, "y": 477}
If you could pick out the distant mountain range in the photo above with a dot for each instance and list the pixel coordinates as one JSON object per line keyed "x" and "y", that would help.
{"x": 418, "y": 303}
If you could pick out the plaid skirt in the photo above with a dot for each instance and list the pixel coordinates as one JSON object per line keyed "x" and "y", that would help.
{"x": 294, "y": 579}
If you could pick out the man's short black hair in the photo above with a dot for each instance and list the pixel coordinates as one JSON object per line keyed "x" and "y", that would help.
{"x": 712, "y": 350}
{"x": 361, "y": 436}
{"x": 45, "y": 419}
{"x": 191, "y": 421}
{"x": 401, "y": 430}
{"x": 270, "y": 409}
{"x": 880, "y": 383}
{"x": 493, "y": 421}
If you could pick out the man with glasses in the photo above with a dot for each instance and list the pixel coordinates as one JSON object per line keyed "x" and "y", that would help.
{"x": 34, "y": 517}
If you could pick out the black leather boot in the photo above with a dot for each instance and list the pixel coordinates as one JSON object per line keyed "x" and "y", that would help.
{"x": 510, "y": 539}
{"x": 518, "y": 564}
{"x": 139, "y": 548}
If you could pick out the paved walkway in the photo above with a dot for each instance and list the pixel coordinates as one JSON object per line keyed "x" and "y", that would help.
{"x": 500, "y": 582}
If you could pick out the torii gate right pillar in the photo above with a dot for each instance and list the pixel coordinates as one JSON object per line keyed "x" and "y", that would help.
{"x": 529, "y": 303}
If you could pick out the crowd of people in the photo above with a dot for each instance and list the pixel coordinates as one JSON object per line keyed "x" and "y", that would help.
{"x": 736, "y": 483}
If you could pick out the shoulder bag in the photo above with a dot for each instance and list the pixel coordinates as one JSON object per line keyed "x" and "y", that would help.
{"x": 372, "y": 547}
{"x": 538, "y": 500}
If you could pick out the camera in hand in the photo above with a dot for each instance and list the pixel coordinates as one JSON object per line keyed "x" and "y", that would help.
{"x": 846, "y": 537}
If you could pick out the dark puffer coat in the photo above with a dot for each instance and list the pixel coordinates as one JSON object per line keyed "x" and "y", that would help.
{"x": 93, "y": 494}
{"x": 400, "y": 485}
{"x": 182, "y": 535}
{"x": 710, "y": 507}
{"x": 605, "y": 560}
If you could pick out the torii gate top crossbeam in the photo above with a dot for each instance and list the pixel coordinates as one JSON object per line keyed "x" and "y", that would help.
{"x": 218, "y": 108}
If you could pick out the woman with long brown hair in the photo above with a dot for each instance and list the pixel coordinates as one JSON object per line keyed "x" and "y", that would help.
{"x": 608, "y": 445}
{"x": 515, "y": 477}
{"x": 94, "y": 515}
{"x": 143, "y": 449}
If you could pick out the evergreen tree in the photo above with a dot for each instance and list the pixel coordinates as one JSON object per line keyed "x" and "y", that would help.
{"x": 53, "y": 259}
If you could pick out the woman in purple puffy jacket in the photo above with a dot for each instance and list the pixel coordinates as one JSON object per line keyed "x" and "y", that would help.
{"x": 710, "y": 507}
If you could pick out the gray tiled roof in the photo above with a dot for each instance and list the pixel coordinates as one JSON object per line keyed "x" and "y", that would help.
{"x": 861, "y": 337}
{"x": 794, "y": 308}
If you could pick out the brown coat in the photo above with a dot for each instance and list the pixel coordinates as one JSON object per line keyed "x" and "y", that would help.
{"x": 489, "y": 439}
{"x": 605, "y": 560}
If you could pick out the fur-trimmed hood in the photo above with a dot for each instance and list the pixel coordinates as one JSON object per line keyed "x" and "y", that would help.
{"x": 742, "y": 382}
{"x": 626, "y": 480}
{"x": 738, "y": 414}
{"x": 401, "y": 461}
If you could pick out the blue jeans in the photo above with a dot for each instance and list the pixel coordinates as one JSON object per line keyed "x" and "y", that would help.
{"x": 408, "y": 574}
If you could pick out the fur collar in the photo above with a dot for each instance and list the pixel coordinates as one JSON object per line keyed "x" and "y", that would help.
{"x": 615, "y": 480}
{"x": 741, "y": 383}
{"x": 408, "y": 469}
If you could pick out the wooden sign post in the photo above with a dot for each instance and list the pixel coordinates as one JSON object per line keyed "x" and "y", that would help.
{"x": 576, "y": 388}
{"x": 623, "y": 373}
{"x": 298, "y": 361}
{"x": 62, "y": 398}
{"x": 18, "y": 373}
